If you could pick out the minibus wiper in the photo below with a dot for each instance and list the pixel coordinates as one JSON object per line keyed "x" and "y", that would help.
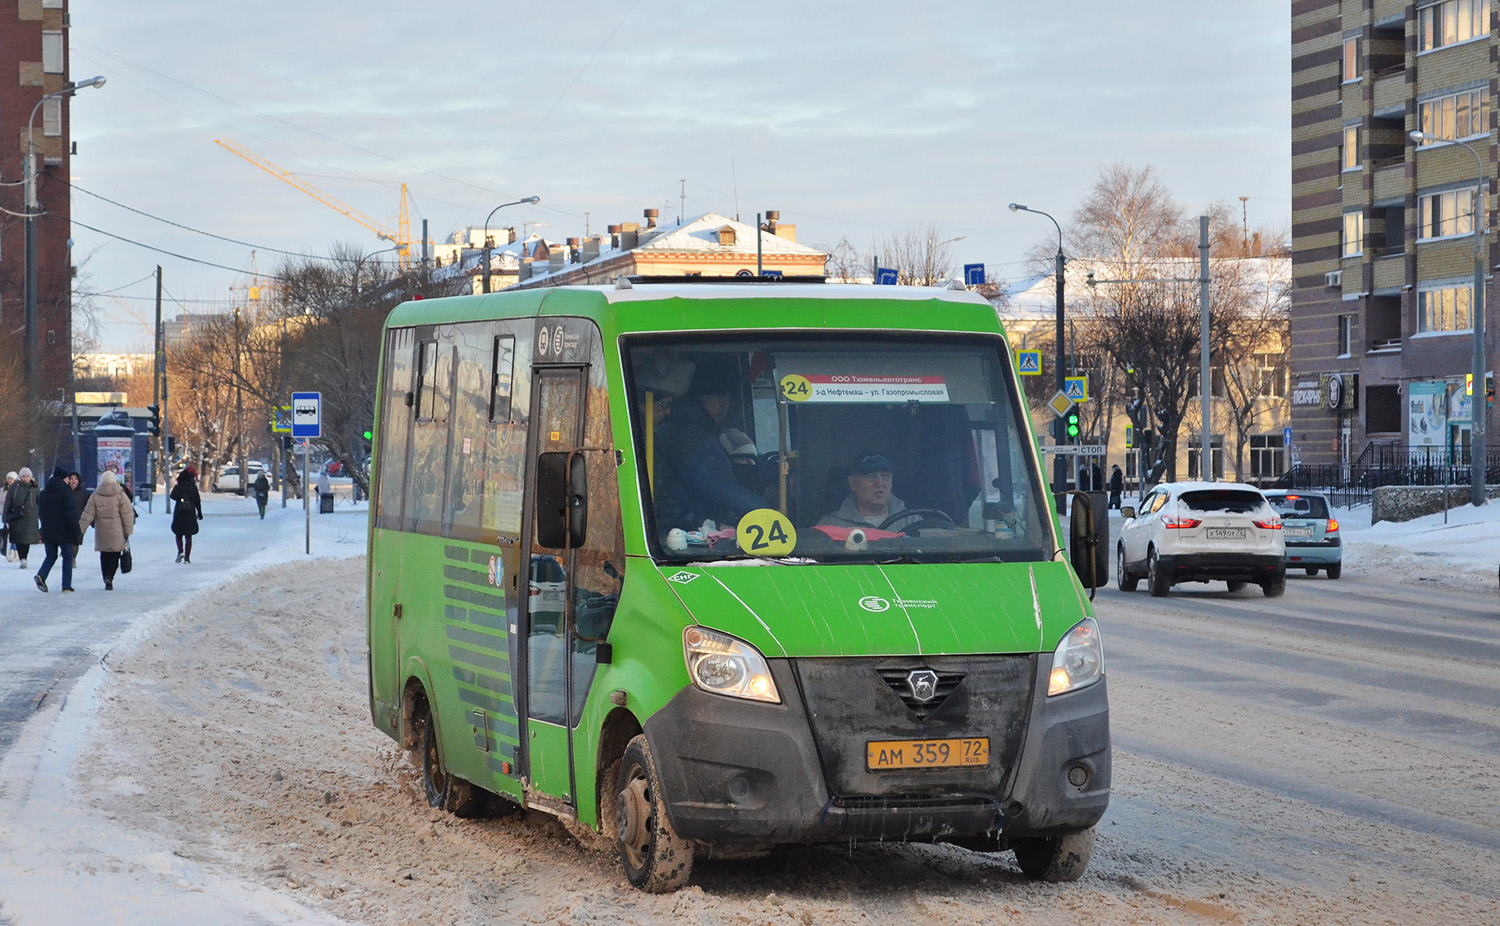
{"x": 904, "y": 558}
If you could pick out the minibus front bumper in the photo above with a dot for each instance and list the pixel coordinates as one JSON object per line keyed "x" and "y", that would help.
{"x": 750, "y": 773}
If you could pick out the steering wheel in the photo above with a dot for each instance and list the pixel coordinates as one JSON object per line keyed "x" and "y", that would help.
{"x": 934, "y": 516}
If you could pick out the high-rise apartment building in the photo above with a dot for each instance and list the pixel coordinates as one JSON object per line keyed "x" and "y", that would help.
{"x": 34, "y": 63}
{"x": 1383, "y": 246}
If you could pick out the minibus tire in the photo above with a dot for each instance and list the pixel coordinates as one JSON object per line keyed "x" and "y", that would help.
{"x": 454, "y": 795}
{"x": 1055, "y": 858}
{"x": 654, "y": 857}
{"x": 1159, "y": 582}
{"x": 1123, "y": 579}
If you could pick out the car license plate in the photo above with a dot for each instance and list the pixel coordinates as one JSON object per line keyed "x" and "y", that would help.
{"x": 1303, "y": 532}
{"x": 889, "y": 754}
{"x": 1225, "y": 533}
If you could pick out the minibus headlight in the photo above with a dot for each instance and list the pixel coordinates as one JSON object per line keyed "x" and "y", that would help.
{"x": 1078, "y": 660}
{"x": 724, "y": 665}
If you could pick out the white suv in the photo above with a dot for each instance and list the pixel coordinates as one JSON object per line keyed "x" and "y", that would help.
{"x": 1198, "y": 531}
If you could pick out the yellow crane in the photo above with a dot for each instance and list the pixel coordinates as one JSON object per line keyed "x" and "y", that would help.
{"x": 401, "y": 238}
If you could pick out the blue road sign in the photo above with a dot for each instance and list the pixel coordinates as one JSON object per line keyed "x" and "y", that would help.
{"x": 1286, "y": 437}
{"x": 885, "y": 276}
{"x": 1076, "y": 388}
{"x": 771, "y": 274}
{"x": 307, "y": 415}
{"x": 973, "y": 274}
{"x": 1029, "y": 362}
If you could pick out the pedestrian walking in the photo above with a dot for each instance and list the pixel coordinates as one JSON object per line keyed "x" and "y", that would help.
{"x": 1116, "y": 486}
{"x": 187, "y": 514}
{"x": 1083, "y": 478}
{"x": 60, "y": 532}
{"x": 113, "y": 518}
{"x": 21, "y": 514}
{"x": 81, "y": 499}
{"x": 5, "y": 550}
{"x": 262, "y": 487}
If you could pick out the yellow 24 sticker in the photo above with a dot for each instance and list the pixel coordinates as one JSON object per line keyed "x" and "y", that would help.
{"x": 796, "y": 388}
{"x": 765, "y": 532}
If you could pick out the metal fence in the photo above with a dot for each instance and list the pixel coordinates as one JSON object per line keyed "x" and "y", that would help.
{"x": 1386, "y": 465}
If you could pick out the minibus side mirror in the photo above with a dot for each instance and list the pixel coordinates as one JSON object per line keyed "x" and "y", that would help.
{"x": 562, "y": 500}
{"x": 1127, "y": 511}
{"x": 1083, "y": 546}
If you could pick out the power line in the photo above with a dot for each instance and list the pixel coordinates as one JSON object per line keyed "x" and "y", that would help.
{"x": 192, "y": 260}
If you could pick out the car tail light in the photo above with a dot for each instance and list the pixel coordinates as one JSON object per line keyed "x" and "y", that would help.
{"x": 1180, "y": 523}
{"x": 1274, "y": 524}
{"x": 1333, "y": 527}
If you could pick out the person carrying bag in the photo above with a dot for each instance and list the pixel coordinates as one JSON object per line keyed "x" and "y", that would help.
{"x": 113, "y": 517}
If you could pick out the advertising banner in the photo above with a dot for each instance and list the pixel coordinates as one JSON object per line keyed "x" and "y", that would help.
{"x": 114, "y": 455}
{"x": 1427, "y": 413}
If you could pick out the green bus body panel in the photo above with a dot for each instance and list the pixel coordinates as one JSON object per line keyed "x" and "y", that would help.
{"x": 455, "y": 625}
{"x": 909, "y": 609}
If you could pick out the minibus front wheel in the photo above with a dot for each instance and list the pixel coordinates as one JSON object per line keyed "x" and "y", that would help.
{"x": 656, "y": 859}
{"x": 1055, "y": 858}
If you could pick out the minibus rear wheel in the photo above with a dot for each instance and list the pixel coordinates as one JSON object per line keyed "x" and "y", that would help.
{"x": 1055, "y": 858}
{"x": 656, "y": 859}
{"x": 454, "y": 795}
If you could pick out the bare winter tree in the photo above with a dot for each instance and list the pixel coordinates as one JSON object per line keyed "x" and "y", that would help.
{"x": 846, "y": 263}
{"x": 921, "y": 256}
{"x": 1253, "y": 354}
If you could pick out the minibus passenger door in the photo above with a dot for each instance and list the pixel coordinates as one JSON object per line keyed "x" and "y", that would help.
{"x": 546, "y": 671}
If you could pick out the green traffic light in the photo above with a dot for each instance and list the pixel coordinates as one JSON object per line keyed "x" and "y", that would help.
{"x": 369, "y": 434}
{"x": 1072, "y": 423}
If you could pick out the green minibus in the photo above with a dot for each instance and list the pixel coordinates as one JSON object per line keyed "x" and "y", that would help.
{"x": 713, "y": 568}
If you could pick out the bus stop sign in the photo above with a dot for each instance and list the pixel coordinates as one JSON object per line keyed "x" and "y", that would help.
{"x": 307, "y": 415}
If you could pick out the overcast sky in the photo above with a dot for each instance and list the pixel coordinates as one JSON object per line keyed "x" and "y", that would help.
{"x": 854, "y": 120}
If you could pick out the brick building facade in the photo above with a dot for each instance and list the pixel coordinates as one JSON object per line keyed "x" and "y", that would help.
{"x": 1382, "y": 228}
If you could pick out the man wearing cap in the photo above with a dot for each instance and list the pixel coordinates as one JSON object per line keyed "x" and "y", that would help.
{"x": 695, "y": 479}
{"x": 870, "y": 501}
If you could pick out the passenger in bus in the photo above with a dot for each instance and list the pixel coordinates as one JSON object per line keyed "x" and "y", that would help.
{"x": 695, "y": 479}
{"x": 870, "y": 500}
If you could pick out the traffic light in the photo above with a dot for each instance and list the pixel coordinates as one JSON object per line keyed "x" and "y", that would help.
{"x": 1070, "y": 422}
{"x": 153, "y": 426}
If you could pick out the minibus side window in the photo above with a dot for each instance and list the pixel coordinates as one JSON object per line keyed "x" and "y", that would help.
{"x": 470, "y": 454}
{"x": 395, "y": 427}
{"x": 504, "y": 487}
{"x": 430, "y": 438}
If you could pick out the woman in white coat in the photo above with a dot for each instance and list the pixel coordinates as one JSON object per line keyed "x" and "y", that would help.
{"x": 113, "y": 516}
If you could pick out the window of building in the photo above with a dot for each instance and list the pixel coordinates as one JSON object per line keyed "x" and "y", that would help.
{"x": 1354, "y": 234}
{"x": 52, "y": 52}
{"x": 1267, "y": 456}
{"x": 1351, "y": 58}
{"x": 52, "y": 4}
{"x": 1382, "y": 410}
{"x": 1451, "y": 22}
{"x": 1445, "y": 307}
{"x": 1272, "y": 372}
{"x": 1350, "y": 149}
{"x": 1346, "y": 335}
{"x": 1448, "y": 213}
{"x": 1456, "y": 115}
{"x": 52, "y": 117}
{"x": 1195, "y": 454}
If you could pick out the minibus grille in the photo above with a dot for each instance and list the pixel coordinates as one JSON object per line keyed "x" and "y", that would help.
{"x": 854, "y": 702}
{"x": 901, "y": 684}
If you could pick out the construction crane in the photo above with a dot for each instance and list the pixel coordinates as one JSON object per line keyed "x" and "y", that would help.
{"x": 400, "y": 238}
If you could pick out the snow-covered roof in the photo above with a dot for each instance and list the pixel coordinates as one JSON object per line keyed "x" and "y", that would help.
{"x": 1036, "y": 297}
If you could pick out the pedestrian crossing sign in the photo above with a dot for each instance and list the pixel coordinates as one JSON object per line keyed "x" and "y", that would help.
{"x": 1029, "y": 362}
{"x": 1076, "y": 388}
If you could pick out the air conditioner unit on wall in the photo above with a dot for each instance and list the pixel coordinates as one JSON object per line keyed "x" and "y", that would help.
{"x": 1333, "y": 278}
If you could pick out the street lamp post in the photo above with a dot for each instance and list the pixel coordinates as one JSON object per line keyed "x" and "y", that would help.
{"x": 1478, "y": 455}
{"x": 32, "y": 208}
{"x": 530, "y": 199}
{"x": 1059, "y": 466}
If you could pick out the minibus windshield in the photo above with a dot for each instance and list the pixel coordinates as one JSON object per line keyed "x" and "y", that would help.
{"x": 838, "y": 449}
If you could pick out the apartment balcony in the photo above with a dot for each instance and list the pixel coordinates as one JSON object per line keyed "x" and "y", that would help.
{"x": 1391, "y": 88}
{"x": 1390, "y": 268}
{"x": 1390, "y": 178}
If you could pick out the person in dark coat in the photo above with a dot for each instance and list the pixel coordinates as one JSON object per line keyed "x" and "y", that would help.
{"x": 81, "y": 499}
{"x": 187, "y": 514}
{"x": 21, "y": 514}
{"x": 1116, "y": 486}
{"x": 60, "y": 531}
{"x": 695, "y": 479}
{"x": 262, "y": 489}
